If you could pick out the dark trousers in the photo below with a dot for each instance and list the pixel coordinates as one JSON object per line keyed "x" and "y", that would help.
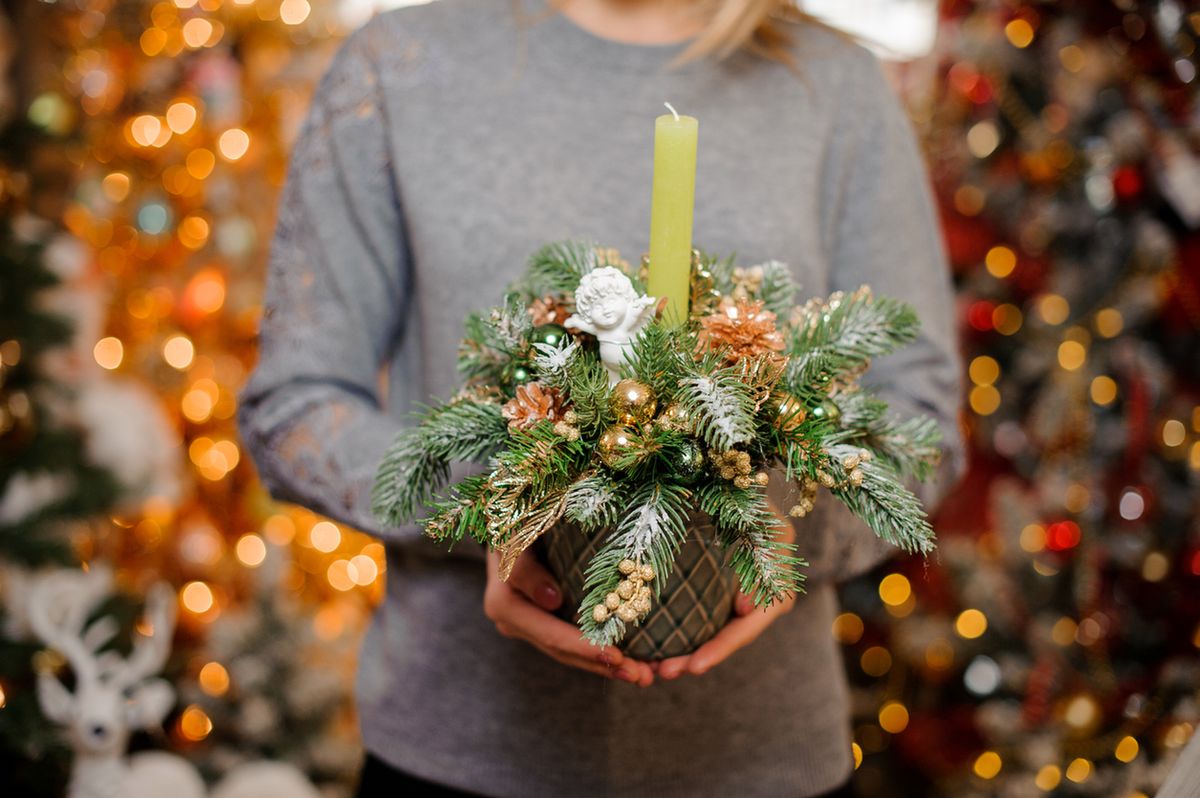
{"x": 380, "y": 780}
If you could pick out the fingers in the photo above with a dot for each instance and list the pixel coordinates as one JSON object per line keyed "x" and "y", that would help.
{"x": 531, "y": 579}
{"x": 736, "y": 634}
{"x": 516, "y": 616}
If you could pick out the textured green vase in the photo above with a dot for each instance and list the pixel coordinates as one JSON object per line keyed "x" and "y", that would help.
{"x": 697, "y": 598}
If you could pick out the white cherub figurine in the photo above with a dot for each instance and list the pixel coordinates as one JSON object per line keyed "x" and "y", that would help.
{"x": 607, "y": 307}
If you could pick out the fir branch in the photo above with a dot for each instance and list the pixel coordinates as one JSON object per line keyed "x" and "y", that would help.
{"x": 908, "y": 446}
{"x": 778, "y": 291}
{"x": 407, "y": 477}
{"x": 650, "y": 532}
{"x": 553, "y": 362}
{"x": 888, "y": 508}
{"x": 843, "y": 334}
{"x": 557, "y": 267}
{"x": 492, "y": 343}
{"x": 588, "y": 390}
{"x": 656, "y": 358}
{"x": 655, "y": 525}
{"x": 592, "y": 501}
{"x": 765, "y": 566}
{"x": 417, "y": 463}
{"x": 722, "y": 406}
{"x": 462, "y": 513}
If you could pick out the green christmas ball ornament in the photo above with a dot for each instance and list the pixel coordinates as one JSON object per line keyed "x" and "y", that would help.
{"x": 551, "y": 334}
{"x": 520, "y": 374}
{"x": 689, "y": 461}
{"x": 632, "y": 402}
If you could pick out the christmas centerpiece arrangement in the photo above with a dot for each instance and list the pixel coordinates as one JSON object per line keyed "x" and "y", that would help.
{"x": 632, "y": 418}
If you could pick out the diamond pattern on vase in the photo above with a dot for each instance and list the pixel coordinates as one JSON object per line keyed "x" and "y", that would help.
{"x": 696, "y": 600}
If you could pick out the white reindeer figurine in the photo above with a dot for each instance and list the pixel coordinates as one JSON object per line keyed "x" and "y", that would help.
{"x": 116, "y": 695}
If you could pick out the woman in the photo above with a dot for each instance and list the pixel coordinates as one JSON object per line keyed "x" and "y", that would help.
{"x": 444, "y": 144}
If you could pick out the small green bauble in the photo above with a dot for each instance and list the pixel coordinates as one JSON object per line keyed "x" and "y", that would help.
{"x": 521, "y": 374}
{"x": 632, "y": 402}
{"x": 615, "y": 443}
{"x": 549, "y": 334}
{"x": 689, "y": 464}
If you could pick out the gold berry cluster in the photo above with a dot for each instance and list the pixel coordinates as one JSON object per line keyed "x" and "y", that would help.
{"x": 631, "y": 600}
{"x": 734, "y": 465}
{"x": 568, "y": 426}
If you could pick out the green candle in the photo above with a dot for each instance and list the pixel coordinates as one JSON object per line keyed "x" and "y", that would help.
{"x": 672, "y": 201}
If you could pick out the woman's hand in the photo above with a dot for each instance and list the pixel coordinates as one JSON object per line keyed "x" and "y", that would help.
{"x": 740, "y": 631}
{"x": 522, "y": 608}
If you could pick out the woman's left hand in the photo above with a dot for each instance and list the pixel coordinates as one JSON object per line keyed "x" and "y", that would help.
{"x": 741, "y": 631}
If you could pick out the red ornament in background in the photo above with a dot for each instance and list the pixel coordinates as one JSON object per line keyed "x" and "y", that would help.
{"x": 1127, "y": 183}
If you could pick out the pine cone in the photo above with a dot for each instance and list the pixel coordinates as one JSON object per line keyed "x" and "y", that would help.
{"x": 532, "y": 404}
{"x": 550, "y": 310}
{"x": 744, "y": 326}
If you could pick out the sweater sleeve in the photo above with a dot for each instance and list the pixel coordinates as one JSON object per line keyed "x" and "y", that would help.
{"x": 337, "y": 289}
{"x": 882, "y": 230}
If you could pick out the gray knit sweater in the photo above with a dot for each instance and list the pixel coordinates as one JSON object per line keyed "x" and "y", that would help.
{"x": 443, "y": 145}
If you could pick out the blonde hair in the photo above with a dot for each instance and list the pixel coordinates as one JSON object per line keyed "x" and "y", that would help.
{"x": 760, "y": 27}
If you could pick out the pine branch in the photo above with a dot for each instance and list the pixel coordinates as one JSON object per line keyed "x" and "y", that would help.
{"x": 887, "y": 507}
{"x": 587, "y": 387}
{"x": 492, "y": 343}
{"x": 844, "y": 333}
{"x": 650, "y": 532}
{"x": 593, "y": 502}
{"x": 553, "y": 363}
{"x": 908, "y": 446}
{"x": 417, "y": 463}
{"x": 722, "y": 406}
{"x": 462, "y": 513}
{"x": 766, "y": 568}
{"x": 778, "y": 291}
{"x": 557, "y": 268}
{"x": 656, "y": 358}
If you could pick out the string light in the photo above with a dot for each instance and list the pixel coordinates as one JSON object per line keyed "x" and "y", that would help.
{"x": 987, "y": 765}
{"x": 109, "y": 352}
{"x": 893, "y": 717}
{"x": 194, "y": 724}
{"x": 214, "y": 679}
{"x": 196, "y": 597}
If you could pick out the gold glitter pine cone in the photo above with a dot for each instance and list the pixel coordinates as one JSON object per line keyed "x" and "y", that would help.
{"x": 743, "y": 325}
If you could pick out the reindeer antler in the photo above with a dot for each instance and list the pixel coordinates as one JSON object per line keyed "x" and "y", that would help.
{"x": 150, "y": 652}
{"x": 59, "y": 606}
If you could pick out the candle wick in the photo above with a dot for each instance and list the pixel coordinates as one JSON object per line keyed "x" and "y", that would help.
{"x": 673, "y": 111}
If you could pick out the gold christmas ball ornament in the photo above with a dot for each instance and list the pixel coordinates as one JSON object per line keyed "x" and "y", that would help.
{"x": 632, "y": 402}
{"x": 612, "y": 601}
{"x": 789, "y": 411}
{"x": 646, "y": 572}
{"x": 615, "y": 443}
{"x": 626, "y": 589}
{"x": 675, "y": 417}
{"x": 627, "y": 566}
{"x": 600, "y": 613}
{"x": 627, "y": 613}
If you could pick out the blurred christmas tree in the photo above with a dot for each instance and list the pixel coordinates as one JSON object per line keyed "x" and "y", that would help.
{"x": 168, "y": 126}
{"x": 1053, "y": 649}
{"x": 50, "y": 482}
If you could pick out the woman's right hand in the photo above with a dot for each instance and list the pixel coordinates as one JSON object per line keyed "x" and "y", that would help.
{"x": 522, "y": 608}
